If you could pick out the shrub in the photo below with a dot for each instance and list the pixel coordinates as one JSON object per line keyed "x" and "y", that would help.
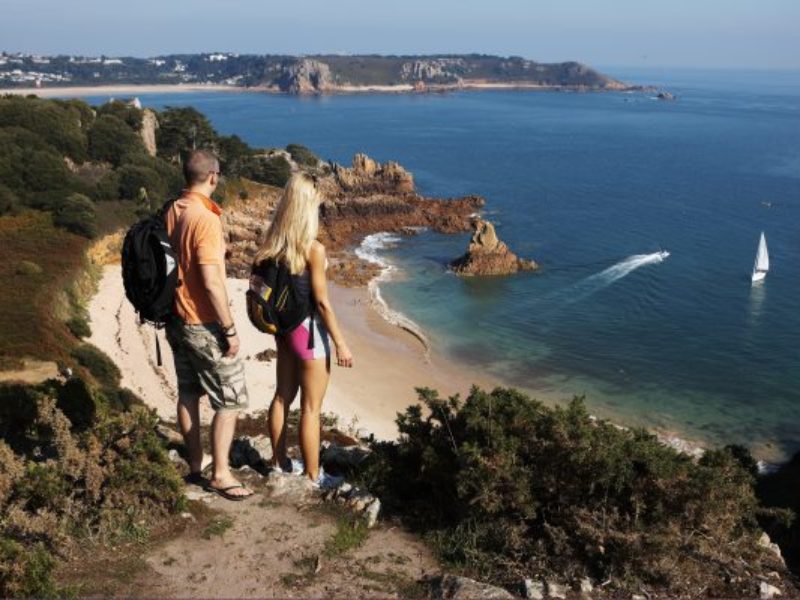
{"x": 132, "y": 179}
{"x": 111, "y": 139}
{"x": 79, "y": 327}
{"x": 26, "y": 573}
{"x": 107, "y": 188}
{"x": 781, "y": 490}
{"x": 59, "y": 481}
{"x": 9, "y": 201}
{"x": 272, "y": 171}
{"x": 58, "y": 124}
{"x": 29, "y": 268}
{"x": 77, "y": 214}
{"x": 99, "y": 365}
{"x": 128, "y": 113}
{"x": 302, "y": 155}
{"x": 506, "y": 487}
{"x": 44, "y": 170}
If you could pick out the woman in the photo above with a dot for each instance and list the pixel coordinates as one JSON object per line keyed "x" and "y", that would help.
{"x": 302, "y": 365}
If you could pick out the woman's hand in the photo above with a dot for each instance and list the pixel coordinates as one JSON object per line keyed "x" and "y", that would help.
{"x": 344, "y": 358}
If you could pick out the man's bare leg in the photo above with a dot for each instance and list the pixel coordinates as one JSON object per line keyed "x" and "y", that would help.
{"x": 189, "y": 423}
{"x": 222, "y": 429}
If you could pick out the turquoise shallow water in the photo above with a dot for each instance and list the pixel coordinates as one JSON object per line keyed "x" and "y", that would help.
{"x": 582, "y": 182}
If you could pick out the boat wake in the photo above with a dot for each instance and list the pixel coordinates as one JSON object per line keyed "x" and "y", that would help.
{"x": 603, "y": 279}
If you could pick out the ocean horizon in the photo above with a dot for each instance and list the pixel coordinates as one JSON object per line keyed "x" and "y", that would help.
{"x": 593, "y": 186}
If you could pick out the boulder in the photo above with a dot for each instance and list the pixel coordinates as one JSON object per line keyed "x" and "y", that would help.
{"x": 555, "y": 590}
{"x": 765, "y": 542}
{"x": 452, "y": 587}
{"x": 487, "y": 255}
{"x": 767, "y": 591}
{"x": 533, "y": 590}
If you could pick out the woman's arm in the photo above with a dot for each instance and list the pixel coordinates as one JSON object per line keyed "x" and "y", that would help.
{"x": 319, "y": 289}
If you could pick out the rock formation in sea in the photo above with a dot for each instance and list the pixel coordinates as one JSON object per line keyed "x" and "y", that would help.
{"x": 487, "y": 255}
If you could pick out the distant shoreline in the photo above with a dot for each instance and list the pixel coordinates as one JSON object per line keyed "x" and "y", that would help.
{"x": 133, "y": 89}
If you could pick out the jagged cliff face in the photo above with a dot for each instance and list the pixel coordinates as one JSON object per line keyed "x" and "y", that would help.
{"x": 442, "y": 69}
{"x": 487, "y": 255}
{"x": 306, "y": 76}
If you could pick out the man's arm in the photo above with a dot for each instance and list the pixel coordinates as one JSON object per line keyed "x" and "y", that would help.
{"x": 218, "y": 295}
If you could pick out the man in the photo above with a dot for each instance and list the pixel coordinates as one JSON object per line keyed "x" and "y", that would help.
{"x": 202, "y": 333}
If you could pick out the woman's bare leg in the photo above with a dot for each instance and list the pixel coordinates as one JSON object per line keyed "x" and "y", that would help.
{"x": 314, "y": 376}
{"x": 288, "y": 381}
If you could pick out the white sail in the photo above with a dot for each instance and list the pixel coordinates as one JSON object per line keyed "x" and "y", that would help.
{"x": 761, "y": 265}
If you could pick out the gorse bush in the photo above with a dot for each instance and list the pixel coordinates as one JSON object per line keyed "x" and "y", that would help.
{"x": 302, "y": 155}
{"x": 78, "y": 215}
{"x": 508, "y": 488}
{"x": 111, "y": 140}
{"x": 71, "y": 467}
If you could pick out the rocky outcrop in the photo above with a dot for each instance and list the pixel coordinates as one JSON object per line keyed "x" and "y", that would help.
{"x": 148, "y": 131}
{"x": 487, "y": 255}
{"x": 360, "y": 200}
{"x": 306, "y": 76}
{"x": 367, "y": 176}
{"x": 439, "y": 69}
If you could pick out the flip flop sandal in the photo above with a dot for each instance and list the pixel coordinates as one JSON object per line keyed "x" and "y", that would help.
{"x": 224, "y": 492}
{"x": 195, "y": 479}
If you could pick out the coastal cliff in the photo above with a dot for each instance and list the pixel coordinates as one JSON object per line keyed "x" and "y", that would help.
{"x": 365, "y": 198}
{"x": 313, "y": 74}
{"x": 487, "y": 255}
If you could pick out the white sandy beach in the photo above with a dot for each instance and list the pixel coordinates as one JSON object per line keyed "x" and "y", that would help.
{"x": 389, "y": 362}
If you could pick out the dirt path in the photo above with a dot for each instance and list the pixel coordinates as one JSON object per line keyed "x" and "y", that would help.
{"x": 276, "y": 545}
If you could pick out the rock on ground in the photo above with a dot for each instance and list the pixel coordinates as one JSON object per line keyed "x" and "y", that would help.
{"x": 453, "y": 587}
{"x": 487, "y": 255}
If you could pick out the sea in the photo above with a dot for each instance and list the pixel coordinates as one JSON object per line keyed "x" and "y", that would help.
{"x": 593, "y": 186}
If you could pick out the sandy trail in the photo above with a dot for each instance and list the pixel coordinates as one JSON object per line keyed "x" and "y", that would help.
{"x": 389, "y": 362}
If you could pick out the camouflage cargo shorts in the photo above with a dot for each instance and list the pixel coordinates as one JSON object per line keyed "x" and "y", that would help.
{"x": 203, "y": 368}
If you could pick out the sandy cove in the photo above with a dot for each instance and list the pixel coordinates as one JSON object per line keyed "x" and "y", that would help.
{"x": 389, "y": 362}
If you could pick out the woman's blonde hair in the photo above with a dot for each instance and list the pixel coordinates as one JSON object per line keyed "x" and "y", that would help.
{"x": 295, "y": 224}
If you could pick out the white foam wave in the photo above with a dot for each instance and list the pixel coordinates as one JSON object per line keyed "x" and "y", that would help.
{"x": 603, "y": 279}
{"x": 368, "y": 251}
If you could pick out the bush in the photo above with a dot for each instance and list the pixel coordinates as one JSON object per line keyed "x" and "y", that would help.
{"x": 79, "y": 327}
{"x": 302, "y": 155}
{"x": 77, "y": 215}
{"x": 59, "y": 482}
{"x": 107, "y": 188}
{"x": 111, "y": 139}
{"x": 99, "y": 365}
{"x": 128, "y": 113}
{"x": 29, "y": 268}
{"x": 9, "y": 201}
{"x": 506, "y": 487}
{"x": 781, "y": 490}
{"x": 271, "y": 171}
{"x": 57, "y": 123}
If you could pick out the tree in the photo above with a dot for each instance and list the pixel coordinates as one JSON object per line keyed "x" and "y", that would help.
{"x": 123, "y": 111}
{"x": 302, "y": 155}
{"x": 111, "y": 139}
{"x": 272, "y": 171}
{"x": 59, "y": 125}
{"x": 182, "y": 129}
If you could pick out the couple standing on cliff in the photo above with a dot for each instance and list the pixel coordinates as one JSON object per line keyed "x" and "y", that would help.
{"x": 203, "y": 335}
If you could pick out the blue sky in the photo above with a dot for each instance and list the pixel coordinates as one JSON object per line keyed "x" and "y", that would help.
{"x": 702, "y": 33}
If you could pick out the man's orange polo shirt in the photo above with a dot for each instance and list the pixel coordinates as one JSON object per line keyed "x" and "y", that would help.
{"x": 195, "y": 232}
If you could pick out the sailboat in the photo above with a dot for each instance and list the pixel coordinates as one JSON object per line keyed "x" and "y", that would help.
{"x": 761, "y": 265}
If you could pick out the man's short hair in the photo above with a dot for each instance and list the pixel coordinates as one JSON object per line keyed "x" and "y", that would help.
{"x": 198, "y": 165}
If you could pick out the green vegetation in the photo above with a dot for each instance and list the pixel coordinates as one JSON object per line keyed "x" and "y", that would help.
{"x": 351, "y": 532}
{"x": 302, "y": 155}
{"x": 217, "y": 527}
{"x": 73, "y": 468}
{"x": 505, "y": 487}
{"x": 275, "y": 70}
{"x": 102, "y": 368}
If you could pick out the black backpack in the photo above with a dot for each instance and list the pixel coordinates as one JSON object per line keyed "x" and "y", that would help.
{"x": 273, "y": 303}
{"x": 150, "y": 270}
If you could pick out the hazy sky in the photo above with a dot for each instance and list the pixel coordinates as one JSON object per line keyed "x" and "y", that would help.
{"x": 712, "y": 33}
